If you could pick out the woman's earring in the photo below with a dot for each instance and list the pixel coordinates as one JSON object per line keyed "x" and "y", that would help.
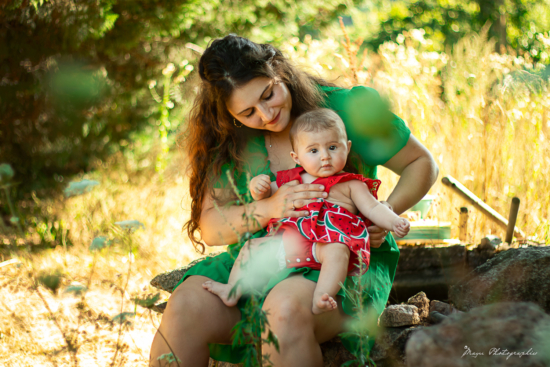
{"x": 235, "y": 123}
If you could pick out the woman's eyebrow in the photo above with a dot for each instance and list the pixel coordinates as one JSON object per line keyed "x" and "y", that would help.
{"x": 246, "y": 109}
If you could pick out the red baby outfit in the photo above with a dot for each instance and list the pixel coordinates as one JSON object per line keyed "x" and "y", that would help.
{"x": 327, "y": 223}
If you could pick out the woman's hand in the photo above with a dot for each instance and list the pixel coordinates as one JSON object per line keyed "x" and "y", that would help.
{"x": 378, "y": 235}
{"x": 292, "y": 196}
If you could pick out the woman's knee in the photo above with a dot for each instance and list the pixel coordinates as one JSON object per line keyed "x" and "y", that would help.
{"x": 289, "y": 313}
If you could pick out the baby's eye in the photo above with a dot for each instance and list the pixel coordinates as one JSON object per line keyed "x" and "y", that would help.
{"x": 332, "y": 147}
{"x": 313, "y": 150}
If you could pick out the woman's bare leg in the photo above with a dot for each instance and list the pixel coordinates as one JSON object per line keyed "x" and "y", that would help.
{"x": 335, "y": 259}
{"x": 299, "y": 331}
{"x": 259, "y": 258}
{"x": 192, "y": 319}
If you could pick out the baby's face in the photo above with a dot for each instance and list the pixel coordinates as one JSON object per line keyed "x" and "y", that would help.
{"x": 322, "y": 153}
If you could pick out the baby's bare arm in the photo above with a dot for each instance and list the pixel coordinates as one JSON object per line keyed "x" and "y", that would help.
{"x": 376, "y": 212}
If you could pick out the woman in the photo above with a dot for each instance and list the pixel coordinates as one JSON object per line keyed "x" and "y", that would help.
{"x": 249, "y": 97}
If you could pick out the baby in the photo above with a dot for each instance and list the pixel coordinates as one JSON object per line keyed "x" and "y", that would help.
{"x": 334, "y": 237}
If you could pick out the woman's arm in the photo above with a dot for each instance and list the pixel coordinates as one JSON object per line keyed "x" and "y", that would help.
{"x": 418, "y": 171}
{"x": 221, "y": 226}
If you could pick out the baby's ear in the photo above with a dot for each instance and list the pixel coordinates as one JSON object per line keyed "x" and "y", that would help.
{"x": 349, "y": 145}
{"x": 295, "y": 157}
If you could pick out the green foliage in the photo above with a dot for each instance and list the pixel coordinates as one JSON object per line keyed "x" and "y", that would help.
{"x": 361, "y": 327}
{"x": 76, "y": 288}
{"x": 124, "y": 318}
{"x": 100, "y": 243}
{"x": 51, "y": 279}
{"x": 80, "y": 187}
{"x": 75, "y": 75}
{"x": 148, "y": 301}
{"x": 511, "y": 22}
{"x": 6, "y": 173}
{"x": 169, "y": 358}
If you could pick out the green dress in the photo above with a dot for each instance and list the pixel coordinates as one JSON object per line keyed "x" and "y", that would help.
{"x": 376, "y": 138}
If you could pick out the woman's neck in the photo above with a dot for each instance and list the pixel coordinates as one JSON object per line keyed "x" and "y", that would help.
{"x": 281, "y": 135}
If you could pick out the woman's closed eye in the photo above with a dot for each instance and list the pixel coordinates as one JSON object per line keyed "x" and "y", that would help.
{"x": 266, "y": 98}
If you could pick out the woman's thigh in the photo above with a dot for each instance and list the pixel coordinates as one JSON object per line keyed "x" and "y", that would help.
{"x": 199, "y": 314}
{"x": 289, "y": 304}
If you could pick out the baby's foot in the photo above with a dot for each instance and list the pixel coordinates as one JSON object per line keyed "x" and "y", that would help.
{"x": 323, "y": 303}
{"x": 222, "y": 290}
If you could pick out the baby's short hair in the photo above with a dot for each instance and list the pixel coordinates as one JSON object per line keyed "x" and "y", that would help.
{"x": 316, "y": 120}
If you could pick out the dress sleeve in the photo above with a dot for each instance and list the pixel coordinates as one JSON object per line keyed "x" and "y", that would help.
{"x": 376, "y": 133}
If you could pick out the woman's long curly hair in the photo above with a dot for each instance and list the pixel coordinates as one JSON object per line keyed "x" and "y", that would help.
{"x": 212, "y": 139}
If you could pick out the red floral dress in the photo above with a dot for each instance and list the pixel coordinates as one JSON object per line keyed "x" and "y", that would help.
{"x": 327, "y": 223}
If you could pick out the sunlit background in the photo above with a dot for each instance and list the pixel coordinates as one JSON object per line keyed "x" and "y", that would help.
{"x": 100, "y": 90}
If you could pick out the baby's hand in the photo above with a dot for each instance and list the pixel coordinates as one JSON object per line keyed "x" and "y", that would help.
{"x": 401, "y": 227}
{"x": 260, "y": 187}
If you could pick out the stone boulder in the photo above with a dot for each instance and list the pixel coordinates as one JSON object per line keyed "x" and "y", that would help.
{"x": 399, "y": 315}
{"x": 516, "y": 275}
{"x": 389, "y": 348}
{"x": 422, "y": 303}
{"x": 502, "y": 334}
{"x": 442, "y": 307}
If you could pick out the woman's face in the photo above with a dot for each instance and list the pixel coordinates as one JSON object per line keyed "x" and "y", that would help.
{"x": 262, "y": 103}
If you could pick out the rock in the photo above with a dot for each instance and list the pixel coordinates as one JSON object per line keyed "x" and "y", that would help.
{"x": 436, "y": 317}
{"x": 484, "y": 337}
{"x": 422, "y": 303}
{"x": 399, "y": 315}
{"x": 389, "y": 348}
{"x": 334, "y": 353}
{"x": 514, "y": 275}
{"x": 441, "y": 307}
{"x": 480, "y": 254}
{"x": 169, "y": 279}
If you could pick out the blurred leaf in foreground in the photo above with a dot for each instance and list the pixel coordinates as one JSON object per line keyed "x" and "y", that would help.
{"x": 6, "y": 172}
{"x": 79, "y": 188}
{"x": 130, "y": 224}
{"x": 50, "y": 279}
{"x": 124, "y": 318}
{"x": 148, "y": 301}
{"x": 76, "y": 288}
{"x": 100, "y": 243}
{"x": 169, "y": 358}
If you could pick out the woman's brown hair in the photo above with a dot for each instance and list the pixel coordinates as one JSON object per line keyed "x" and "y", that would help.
{"x": 212, "y": 139}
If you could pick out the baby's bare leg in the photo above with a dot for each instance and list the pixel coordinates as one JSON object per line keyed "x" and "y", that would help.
{"x": 254, "y": 263}
{"x": 335, "y": 259}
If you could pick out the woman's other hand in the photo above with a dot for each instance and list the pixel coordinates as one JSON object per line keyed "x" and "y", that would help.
{"x": 378, "y": 235}
{"x": 260, "y": 187}
{"x": 292, "y": 196}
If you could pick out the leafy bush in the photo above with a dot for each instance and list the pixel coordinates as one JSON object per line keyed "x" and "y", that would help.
{"x": 75, "y": 75}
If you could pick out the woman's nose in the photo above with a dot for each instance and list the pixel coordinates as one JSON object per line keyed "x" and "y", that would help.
{"x": 265, "y": 112}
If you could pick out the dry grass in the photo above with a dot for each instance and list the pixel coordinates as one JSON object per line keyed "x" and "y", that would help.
{"x": 485, "y": 117}
{"x": 29, "y": 335}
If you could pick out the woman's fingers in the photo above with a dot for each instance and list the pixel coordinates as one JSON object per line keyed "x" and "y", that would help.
{"x": 377, "y": 236}
{"x": 308, "y": 187}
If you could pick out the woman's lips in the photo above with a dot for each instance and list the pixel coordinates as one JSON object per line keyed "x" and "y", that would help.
{"x": 275, "y": 119}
